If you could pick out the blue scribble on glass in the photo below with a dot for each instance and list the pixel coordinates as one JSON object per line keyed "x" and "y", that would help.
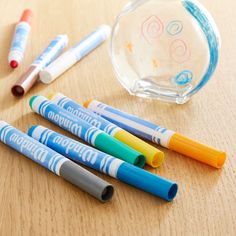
{"x": 184, "y": 77}
{"x": 174, "y": 27}
{"x": 212, "y": 39}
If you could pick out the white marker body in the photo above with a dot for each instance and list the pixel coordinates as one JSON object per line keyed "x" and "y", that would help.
{"x": 58, "y": 67}
{"x": 19, "y": 42}
{"x": 75, "y": 54}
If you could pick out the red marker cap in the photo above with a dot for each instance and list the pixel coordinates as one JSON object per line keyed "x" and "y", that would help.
{"x": 14, "y": 64}
{"x": 26, "y": 16}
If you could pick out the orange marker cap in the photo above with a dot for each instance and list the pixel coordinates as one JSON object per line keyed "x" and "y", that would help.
{"x": 86, "y": 104}
{"x": 26, "y": 16}
{"x": 197, "y": 151}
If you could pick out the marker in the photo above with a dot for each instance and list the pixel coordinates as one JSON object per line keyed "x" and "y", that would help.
{"x": 75, "y": 54}
{"x": 55, "y": 162}
{"x": 28, "y": 79}
{"x": 104, "y": 163}
{"x": 20, "y": 39}
{"x": 154, "y": 157}
{"x": 157, "y": 134}
{"x": 85, "y": 131}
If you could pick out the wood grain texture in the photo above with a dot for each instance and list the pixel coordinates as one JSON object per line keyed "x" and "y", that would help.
{"x": 34, "y": 201}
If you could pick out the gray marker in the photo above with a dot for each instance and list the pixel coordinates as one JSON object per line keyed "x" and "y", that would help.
{"x": 55, "y": 162}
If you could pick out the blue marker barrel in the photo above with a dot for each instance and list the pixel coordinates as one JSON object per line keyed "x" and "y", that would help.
{"x": 85, "y": 114}
{"x": 55, "y": 162}
{"x": 104, "y": 163}
{"x": 154, "y": 157}
{"x": 86, "y": 131}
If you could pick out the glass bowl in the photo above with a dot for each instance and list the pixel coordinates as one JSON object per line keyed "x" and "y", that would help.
{"x": 164, "y": 49}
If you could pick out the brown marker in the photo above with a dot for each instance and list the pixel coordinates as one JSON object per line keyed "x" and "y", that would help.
{"x": 28, "y": 79}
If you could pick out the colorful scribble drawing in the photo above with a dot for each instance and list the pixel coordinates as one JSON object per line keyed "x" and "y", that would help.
{"x": 184, "y": 77}
{"x": 154, "y": 63}
{"x": 179, "y": 51}
{"x": 152, "y": 28}
{"x": 129, "y": 46}
{"x": 174, "y": 27}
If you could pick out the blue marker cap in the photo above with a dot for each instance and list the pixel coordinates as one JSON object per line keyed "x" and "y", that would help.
{"x": 147, "y": 181}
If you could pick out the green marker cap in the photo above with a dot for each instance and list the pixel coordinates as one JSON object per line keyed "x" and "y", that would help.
{"x": 114, "y": 147}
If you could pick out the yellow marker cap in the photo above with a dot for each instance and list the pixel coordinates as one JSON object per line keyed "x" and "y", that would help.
{"x": 51, "y": 95}
{"x": 197, "y": 151}
{"x": 154, "y": 157}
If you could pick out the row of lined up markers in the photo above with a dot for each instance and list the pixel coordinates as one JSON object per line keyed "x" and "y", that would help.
{"x": 117, "y": 151}
{"x": 49, "y": 65}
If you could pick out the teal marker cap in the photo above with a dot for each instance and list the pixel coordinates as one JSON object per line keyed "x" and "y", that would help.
{"x": 31, "y": 101}
{"x": 120, "y": 150}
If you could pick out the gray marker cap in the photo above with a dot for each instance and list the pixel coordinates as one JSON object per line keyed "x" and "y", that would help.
{"x": 86, "y": 181}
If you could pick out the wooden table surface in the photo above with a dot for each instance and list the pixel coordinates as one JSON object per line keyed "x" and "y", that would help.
{"x": 34, "y": 201}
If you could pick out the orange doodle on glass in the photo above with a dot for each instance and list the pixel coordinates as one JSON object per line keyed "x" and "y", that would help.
{"x": 154, "y": 63}
{"x": 129, "y": 46}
